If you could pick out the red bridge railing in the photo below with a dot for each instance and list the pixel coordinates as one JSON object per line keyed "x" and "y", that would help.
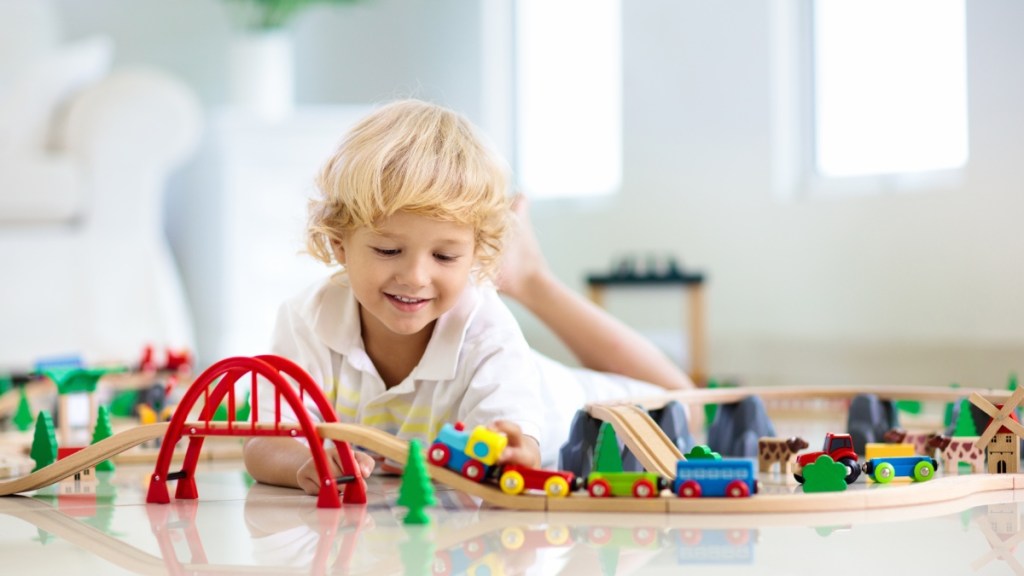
{"x": 219, "y": 381}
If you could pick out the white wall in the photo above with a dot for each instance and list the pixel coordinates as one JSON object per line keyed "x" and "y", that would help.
{"x": 920, "y": 288}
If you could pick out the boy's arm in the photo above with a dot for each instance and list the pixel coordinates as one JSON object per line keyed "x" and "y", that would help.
{"x": 287, "y": 462}
{"x": 275, "y": 460}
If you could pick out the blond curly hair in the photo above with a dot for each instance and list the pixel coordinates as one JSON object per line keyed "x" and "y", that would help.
{"x": 415, "y": 157}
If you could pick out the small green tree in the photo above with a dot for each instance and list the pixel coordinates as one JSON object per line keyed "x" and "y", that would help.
{"x": 103, "y": 430}
{"x": 607, "y": 457}
{"x": 23, "y": 417}
{"x": 965, "y": 425}
{"x": 710, "y": 409}
{"x": 947, "y": 416}
{"x": 242, "y": 412}
{"x": 416, "y": 492}
{"x": 44, "y": 443}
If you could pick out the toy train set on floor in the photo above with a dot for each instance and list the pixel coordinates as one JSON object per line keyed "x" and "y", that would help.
{"x": 700, "y": 481}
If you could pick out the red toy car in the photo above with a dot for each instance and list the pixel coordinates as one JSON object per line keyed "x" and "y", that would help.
{"x": 556, "y": 483}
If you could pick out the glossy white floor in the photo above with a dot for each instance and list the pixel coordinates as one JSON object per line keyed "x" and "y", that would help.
{"x": 240, "y": 527}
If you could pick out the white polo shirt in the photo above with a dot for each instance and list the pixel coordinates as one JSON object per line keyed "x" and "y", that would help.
{"x": 477, "y": 367}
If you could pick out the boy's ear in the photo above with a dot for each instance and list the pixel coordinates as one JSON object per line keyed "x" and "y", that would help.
{"x": 339, "y": 251}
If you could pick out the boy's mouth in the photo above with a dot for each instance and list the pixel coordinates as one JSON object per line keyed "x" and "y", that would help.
{"x": 406, "y": 303}
{"x": 406, "y": 300}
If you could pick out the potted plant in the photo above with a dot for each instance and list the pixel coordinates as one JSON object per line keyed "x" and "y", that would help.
{"x": 268, "y": 15}
{"x": 261, "y": 65}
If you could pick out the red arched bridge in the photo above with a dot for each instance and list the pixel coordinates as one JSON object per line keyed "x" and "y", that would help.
{"x": 217, "y": 384}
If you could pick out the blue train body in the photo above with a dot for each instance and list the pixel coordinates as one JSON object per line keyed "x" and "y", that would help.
{"x": 732, "y": 477}
{"x": 884, "y": 470}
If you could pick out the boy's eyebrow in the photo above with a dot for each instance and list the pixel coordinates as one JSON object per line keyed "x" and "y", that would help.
{"x": 398, "y": 236}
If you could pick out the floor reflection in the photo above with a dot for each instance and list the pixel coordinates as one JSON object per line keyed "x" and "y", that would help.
{"x": 283, "y": 532}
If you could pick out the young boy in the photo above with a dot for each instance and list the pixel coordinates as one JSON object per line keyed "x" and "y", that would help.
{"x": 411, "y": 334}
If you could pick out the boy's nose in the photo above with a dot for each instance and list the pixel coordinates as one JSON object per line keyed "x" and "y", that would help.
{"x": 416, "y": 274}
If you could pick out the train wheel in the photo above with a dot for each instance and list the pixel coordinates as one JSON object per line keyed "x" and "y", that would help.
{"x": 737, "y": 489}
{"x": 439, "y": 454}
{"x": 512, "y": 538}
{"x": 600, "y": 535}
{"x": 644, "y": 537}
{"x": 884, "y": 473}
{"x": 512, "y": 483}
{"x": 923, "y": 471}
{"x": 442, "y": 565}
{"x": 644, "y": 488}
{"x": 556, "y": 486}
{"x": 474, "y": 548}
{"x": 689, "y": 489}
{"x": 557, "y": 535}
{"x": 600, "y": 488}
{"x": 738, "y": 537}
{"x": 473, "y": 470}
{"x": 691, "y": 537}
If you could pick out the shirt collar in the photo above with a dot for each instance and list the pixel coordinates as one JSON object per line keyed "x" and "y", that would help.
{"x": 441, "y": 358}
{"x": 338, "y": 325}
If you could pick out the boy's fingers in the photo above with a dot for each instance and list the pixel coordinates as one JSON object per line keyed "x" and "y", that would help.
{"x": 365, "y": 463}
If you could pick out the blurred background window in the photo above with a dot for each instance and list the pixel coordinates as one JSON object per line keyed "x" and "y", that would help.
{"x": 890, "y": 86}
{"x": 568, "y": 95}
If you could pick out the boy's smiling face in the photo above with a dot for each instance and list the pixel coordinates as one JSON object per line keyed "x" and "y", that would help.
{"x": 408, "y": 273}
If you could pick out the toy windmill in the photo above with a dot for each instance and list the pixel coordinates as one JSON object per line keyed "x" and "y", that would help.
{"x": 1001, "y": 438}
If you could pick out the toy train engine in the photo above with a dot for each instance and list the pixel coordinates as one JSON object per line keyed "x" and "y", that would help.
{"x": 472, "y": 454}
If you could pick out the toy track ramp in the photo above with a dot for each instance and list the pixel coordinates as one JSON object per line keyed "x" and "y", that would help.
{"x": 86, "y": 457}
{"x": 642, "y": 435}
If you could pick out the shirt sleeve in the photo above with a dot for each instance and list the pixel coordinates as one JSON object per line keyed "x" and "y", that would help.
{"x": 293, "y": 338}
{"x": 505, "y": 385}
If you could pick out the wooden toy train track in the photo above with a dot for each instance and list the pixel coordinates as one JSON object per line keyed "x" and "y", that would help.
{"x": 632, "y": 424}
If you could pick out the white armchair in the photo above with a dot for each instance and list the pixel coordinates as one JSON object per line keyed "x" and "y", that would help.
{"x": 85, "y": 267}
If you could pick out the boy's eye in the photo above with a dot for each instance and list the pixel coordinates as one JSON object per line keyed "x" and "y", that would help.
{"x": 386, "y": 251}
{"x": 445, "y": 257}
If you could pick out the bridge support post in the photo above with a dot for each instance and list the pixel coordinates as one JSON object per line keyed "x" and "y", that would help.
{"x": 355, "y": 492}
{"x": 158, "y": 490}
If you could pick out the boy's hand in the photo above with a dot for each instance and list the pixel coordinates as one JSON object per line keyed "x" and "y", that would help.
{"x": 522, "y": 450}
{"x": 309, "y": 480}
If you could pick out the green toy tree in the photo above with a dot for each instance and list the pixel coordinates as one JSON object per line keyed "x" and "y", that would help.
{"x": 242, "y": 412}
{"x": 44, "y": 444}
{"x": 23, "y": 417}
{"x": 221, "y": 413}
{"x": 417, "y": 552}
{"x": 947, "y": 416}
{"x": 416, "y": 492}
{"x": 825, "y": 475}
{"x": 965, "y": 425}
{"x": 102, "y": 431}
{"x": 710, "y": 409}
{"x": 607, "y": 457}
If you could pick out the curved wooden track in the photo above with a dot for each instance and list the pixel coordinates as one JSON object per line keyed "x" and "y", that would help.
{"x": 642, "y": 435}
{"x": 728, "y": 395}
{"x": 84, "y": 458}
